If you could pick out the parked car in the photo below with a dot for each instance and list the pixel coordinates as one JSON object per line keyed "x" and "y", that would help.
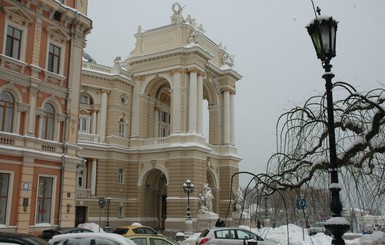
{"x": 48, "y": 234}
{"x": 90, "y": 239}
{"x": 20, "y": 238}
{"x": 134, "y": 230}
{"x": 151, "y": 240}
{"x": 318, "y": 227}
{"x": 368, "y": 228}
{"x": 231, "y": 236}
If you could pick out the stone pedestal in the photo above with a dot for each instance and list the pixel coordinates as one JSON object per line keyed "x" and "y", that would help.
{"x": 188, "y": 227}
{"x": 206, "y": 220}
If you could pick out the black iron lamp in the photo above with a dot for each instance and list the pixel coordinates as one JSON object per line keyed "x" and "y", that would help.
{"x": 188, "y": 188}
{"x": 108, "y": 212}
{"x": 322, "y": 31}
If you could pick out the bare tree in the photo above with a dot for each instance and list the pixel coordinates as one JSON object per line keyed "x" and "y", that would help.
{"x": 302, "y": 149}
{"x": 302, "y": 158}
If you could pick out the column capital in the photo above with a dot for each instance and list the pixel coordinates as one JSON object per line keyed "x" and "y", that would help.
{"x": 201, "y": 73}
{"x": 105, "y": 91}
{"x": 178, "y": 71}
{"x": 139, "y": 78}
{"x": 229, "y": 89}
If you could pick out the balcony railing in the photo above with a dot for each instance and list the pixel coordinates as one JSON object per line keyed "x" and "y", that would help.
{"x": 155, "y": 141}
{"x": 83, "y": 193}
{"x": 88, "y": 137}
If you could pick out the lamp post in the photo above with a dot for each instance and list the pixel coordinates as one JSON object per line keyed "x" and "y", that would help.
{"x": 188, "y": 188}
{"x": 108, "y": 212}
{"x": 322, "y": 31}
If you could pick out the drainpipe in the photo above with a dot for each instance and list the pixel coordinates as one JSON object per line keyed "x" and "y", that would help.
{"x": 66, "y": 120}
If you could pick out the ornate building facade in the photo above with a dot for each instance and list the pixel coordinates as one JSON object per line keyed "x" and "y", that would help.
{"x": 41, "y": 49}
{"x": 73, "y": 134}
{"x": 141, "y": 129}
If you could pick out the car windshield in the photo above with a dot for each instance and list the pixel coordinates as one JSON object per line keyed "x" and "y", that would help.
{"x": 35, "y": 240}
{"x": 85, "y": 241}
{"x": 319, "y": 224}
{"x": 120, "y": 231}
{"x": 143, "y": 230}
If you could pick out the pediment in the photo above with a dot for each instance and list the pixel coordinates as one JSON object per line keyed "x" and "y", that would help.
{"x": 18, "y": 15}
{"x": 57, "y": 34}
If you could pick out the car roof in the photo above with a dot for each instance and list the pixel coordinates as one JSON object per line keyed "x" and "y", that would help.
{"x": 111, "y": 236}
{"x": 134, "y": 226}
{"x": 14, "y": 234}
{"x": 152, "y": 236}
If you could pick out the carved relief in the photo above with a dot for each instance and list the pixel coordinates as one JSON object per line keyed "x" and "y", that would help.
{"x": 18, "y": 16}
{"x": 57, "y": 34}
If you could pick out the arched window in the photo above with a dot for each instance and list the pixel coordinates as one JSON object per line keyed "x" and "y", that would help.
{"x": 7, "y": 104}
{"x": 122, "y": 127}
{"x": 48, "y": 123}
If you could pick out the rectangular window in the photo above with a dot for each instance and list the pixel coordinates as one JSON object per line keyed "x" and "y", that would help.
{"x": 44, "y": 200}
{"x": 4, "y": 185}
{"x": 83, "y": 124}
{"x": 80, "y": 179}
{"x": 164, "y": 117}
{"x": 120, "y": 212}
{"x": 121, "y": 176}
{"x": 54, "y": 59}
{"x": 13, "y": 43}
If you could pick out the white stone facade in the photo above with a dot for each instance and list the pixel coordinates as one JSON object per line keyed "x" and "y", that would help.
{"x": 142, "y": 134}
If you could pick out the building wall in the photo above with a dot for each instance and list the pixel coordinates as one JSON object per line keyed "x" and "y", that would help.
{"x": 26, "y": 156}
{"x": 165, "y": 73}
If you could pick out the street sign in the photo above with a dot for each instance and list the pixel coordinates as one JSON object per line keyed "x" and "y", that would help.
{"x": 301, "y": 203}
{"x": 102, "y": 202}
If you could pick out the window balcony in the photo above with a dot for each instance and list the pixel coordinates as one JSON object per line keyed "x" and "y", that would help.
{"x": 83, "y": 193}
{"x": 85, "y": 137}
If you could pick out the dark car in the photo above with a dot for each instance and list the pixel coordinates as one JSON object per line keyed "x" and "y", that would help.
{"x": 48, "y": 234}
{"x": 20, "y": 238}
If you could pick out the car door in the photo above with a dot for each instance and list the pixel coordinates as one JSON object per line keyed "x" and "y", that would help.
{"x": 227, "y": 237}
{"x": 249, "y": 236}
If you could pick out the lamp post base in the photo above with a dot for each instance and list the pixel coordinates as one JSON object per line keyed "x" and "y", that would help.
{"x": 337, "y": 226}
{"x": 188, "y": 227}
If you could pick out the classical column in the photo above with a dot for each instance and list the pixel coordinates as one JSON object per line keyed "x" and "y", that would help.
{"x": 94, "y": 166}
{"x": 232, "y": 124}
{"x": 176, "y": 114}
{"x": 32, "y": 111}
{"x": 156, "y": 122}
{"x": 93, "y": 118}
{"x": 136, "y": 107}
{"x": 226, "y": 116}
{"x": 200, "y": 103}
{"x": 103, "y": 115}
{"x": 192, "y": 111}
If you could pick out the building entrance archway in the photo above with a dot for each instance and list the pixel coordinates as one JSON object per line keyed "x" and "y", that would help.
{"x": 154, "y": 196}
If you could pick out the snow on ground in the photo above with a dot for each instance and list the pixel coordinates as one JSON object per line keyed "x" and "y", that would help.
{"x": 295, "y": 235}
{"x": 287, "y": 234}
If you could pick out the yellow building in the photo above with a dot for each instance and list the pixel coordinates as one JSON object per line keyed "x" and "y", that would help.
{"x": 40, "y": 68}
{"x": 73, "y": 133}
{"x": 141, "y": 129}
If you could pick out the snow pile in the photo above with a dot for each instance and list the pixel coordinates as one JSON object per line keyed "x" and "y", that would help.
{"x": 295, "y": 235}
{"x": 376, "y": 237}
{"x": 91, "y": 226}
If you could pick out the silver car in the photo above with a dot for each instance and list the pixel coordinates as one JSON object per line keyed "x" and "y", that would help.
{"x": 231, "y": 235}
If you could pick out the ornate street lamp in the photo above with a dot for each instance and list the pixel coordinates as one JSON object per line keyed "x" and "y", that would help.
{"x": 108, "y": 212}
{"x": 188, "y": 188}
{"x": 322, "y": 31}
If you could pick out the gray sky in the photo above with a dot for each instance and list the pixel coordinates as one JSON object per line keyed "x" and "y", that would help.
{"x": 272, "y": 50}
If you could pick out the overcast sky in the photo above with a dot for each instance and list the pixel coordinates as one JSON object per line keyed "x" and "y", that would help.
{"x": 271, "y": 48}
